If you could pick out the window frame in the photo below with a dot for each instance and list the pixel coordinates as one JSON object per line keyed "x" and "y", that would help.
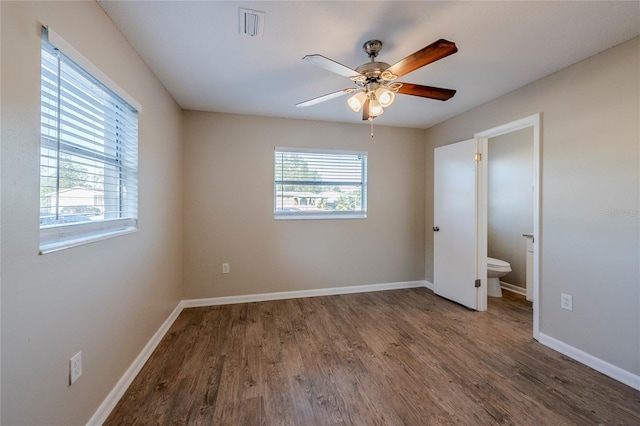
{"x": 60, "y": 236}
{"x": 330, "y": 214}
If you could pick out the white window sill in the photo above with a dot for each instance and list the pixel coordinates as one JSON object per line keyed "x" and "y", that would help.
{"x": 319, "y": 216}
{"x": 58, "y": 238}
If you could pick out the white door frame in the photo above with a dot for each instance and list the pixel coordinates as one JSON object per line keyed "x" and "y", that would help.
{"x": 530, "y": 121}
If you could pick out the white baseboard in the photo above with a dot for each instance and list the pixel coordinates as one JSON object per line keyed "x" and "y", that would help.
{"x": 229, "y": 300}
{"x": 597, "y": 364}
{"x": 428, "y": 285}
{"x": 513, "y": 288}
{"x": 101, "y": 414}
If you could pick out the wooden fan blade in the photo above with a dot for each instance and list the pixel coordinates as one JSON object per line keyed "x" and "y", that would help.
{"x": 435, "y": 51}
{"x": 437, "y": 93}
{"x": 365, "y": 110}
{"x": 326, "y": 97}
{"x": 331, "y": 65}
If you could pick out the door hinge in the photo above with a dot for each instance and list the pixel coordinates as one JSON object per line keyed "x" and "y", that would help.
{"x": 478, "y": 156}
{"x": 477, "y": 283}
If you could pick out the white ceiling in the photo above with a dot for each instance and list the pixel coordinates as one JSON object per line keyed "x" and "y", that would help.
{"x": 195, "y": 49}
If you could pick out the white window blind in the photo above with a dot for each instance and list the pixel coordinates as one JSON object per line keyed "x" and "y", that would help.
{"x": 88, "y": 156}
{"x": 319, "y": 184}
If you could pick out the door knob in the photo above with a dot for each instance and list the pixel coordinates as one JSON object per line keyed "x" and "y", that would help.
{"x": 436, "y": 229}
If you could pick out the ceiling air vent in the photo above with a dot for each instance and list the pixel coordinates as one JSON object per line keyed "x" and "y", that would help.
{"x": 251, "y": 22}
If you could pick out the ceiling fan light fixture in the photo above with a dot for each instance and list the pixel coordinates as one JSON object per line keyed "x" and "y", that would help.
{"x": 385, "y": 96}
{"x": 375, "y": 109}
{"x": 376, "y": 84}
{"x": 357, "y": 101}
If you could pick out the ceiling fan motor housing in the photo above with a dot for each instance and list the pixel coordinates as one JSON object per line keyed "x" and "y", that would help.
{"x": 372, "y": 70}
{"x": 372, "y": 47}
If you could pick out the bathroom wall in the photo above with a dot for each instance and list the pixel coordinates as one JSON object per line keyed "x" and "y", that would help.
{"x": 510, "y": 201}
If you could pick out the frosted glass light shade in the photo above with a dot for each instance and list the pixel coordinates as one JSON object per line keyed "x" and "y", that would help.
{"x": 357, "y": 101}
{"x": 375, "y": 109}
{"x": 385, "y": 96}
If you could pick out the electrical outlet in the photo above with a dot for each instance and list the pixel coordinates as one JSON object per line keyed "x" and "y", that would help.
{"x": 75, "y": 368}
{"x": 225, "y": 268}
{"x": 566, "y": 302}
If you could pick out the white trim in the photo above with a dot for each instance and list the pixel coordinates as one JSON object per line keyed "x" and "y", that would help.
{"x": 535, "y": 122}
{"x": 319, "y": 150}
{"x": 428, "y": 285}
{"x": 319, "y": 216}
{"x": 482, "y": 221}
{"x": 597, "y": 364}
{"x": 103, "y": 411}
{"x": 248, "y": 298}
{"x": 56, "y": 238}
{"x": 87, "y": 65}
{"x": 513, "y": 126}
{"x": 513, "y": 288}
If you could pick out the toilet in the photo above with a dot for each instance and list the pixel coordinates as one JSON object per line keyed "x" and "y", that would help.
{"x": 496, "y": 268}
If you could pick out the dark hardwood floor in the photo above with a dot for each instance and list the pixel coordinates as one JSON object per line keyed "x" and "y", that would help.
{"x": 385, "y": 358}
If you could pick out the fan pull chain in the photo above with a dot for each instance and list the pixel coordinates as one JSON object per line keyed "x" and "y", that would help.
{"x": 371, "y": 126}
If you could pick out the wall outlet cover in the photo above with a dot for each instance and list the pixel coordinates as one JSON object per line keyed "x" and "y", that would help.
{"x": 75, "y": 368}
{"x": 566, "y": 302}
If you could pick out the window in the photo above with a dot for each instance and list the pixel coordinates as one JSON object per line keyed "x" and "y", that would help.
{"x": 88, "y": 156}
{"x": 314, "y": 184}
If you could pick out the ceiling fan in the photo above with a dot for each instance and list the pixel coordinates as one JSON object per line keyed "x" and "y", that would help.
{"x": 375, "y": 82}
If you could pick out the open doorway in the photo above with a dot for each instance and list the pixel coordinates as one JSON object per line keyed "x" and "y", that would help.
{"x": 497, "y": 137}
{"x": 509, "y": 212}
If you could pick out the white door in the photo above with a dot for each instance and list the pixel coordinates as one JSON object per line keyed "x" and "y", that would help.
{"x": 456, "y": 218}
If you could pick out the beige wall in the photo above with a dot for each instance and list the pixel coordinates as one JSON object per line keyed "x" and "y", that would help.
{"x": 228, "y": 176}
{"x": 107, "y": 298}
{"x": 510, "y": 201}
{"x": 590, "y": 236}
